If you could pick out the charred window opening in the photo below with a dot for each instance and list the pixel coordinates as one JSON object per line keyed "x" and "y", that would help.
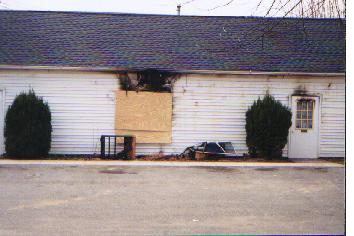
{"x": 149, "y": 80}
{"x": 144, "y": 109}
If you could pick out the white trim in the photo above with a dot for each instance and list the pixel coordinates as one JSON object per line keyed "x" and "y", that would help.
{"x": 290, "y": 129}
{"x": 259, "y": 73}
{"x": 320, "y": 98}
{"x": 116, "y": 69}
{"x": 2, "y": 120}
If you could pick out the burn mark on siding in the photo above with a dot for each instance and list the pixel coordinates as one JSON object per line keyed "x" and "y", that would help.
{"x": 300, "y": 91}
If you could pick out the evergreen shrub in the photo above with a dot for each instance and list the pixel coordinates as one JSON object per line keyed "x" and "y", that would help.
{"x": 28, "y": 127}
{"x": 267, "y": 127}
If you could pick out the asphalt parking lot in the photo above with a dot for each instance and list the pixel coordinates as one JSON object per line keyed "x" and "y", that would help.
{"x": 150, "y": 200}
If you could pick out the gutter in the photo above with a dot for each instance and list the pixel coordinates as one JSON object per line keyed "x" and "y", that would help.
{"x": 116, "y": 69}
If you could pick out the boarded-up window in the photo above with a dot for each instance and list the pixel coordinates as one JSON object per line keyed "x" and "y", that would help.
{"x": 147, "y": 115}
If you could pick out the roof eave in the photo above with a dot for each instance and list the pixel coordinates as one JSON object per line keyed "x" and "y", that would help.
{"x": 117, "y": 69}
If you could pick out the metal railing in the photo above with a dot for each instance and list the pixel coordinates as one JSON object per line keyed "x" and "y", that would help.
{"x": 110, "y": 148}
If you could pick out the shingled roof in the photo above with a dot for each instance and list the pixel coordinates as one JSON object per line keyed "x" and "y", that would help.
{"x": 175, "y": 43}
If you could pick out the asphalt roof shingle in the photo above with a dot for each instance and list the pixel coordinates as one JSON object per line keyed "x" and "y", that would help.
{"x": 134, "y": 41}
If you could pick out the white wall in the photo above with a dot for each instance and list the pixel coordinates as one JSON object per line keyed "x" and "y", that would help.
{"x": 82, "y": 105}
{"x": 206, "y": 107}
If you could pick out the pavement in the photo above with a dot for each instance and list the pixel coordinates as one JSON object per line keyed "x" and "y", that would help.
{"x": 114, "y": 198}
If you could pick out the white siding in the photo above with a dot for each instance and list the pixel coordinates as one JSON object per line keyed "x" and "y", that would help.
{"x": 211, "y": 108}
{"x": 82, "y": 105}
{"x": 205, "y": 107}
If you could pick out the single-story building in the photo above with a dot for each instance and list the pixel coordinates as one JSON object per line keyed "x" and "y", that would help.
{"x": 74, "y": 61}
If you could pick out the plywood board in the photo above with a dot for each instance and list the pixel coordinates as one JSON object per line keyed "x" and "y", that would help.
{"x": 147, "y": 115}
{"x": 148, "y": 136}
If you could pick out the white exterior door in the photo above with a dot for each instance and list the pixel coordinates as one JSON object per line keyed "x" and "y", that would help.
{"x": 304, "y": 131}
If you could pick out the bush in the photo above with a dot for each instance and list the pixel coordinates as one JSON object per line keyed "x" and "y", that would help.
{"x": 267, "y": 127}
{"x": 28, "y": 127}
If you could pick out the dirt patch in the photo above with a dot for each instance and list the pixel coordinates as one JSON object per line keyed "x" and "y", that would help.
{"x": 266, "y": 169}
{"x": 13, "y": 168}
{"x": 217, "y": 169}
{"x": 320, "y": 169}
{"x": 62, "y": 157}
{"x": 159, "y": 157}
{"x": 299, "y": 168}
{"x": 117, "y": 172}
{"x": 311, "y": 169}
{"x": 334, "y": 160}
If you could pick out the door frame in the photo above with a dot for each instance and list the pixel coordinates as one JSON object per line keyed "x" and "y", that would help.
{"x": 319, "y": 120}
{"x": 2, "y": 121}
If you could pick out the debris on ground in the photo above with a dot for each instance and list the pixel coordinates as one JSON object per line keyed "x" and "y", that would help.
{"x": 210, "y": 150}
{"x": 159, "y": 157}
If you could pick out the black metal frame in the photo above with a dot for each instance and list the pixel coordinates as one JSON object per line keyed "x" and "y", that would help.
{"x": 111, "y": 153}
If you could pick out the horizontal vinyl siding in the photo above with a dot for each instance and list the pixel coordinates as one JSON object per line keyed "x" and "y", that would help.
{"x": 212, "y": 108}
{"x": 82, "y": 105}
{"x": 332, "y": 135}
{"x": 205, "y": 108}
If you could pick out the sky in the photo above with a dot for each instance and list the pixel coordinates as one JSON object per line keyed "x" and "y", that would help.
{"x": 189, "y": 7}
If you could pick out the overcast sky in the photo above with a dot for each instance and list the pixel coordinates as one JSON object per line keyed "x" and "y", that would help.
{"x": 191, "y": 7}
